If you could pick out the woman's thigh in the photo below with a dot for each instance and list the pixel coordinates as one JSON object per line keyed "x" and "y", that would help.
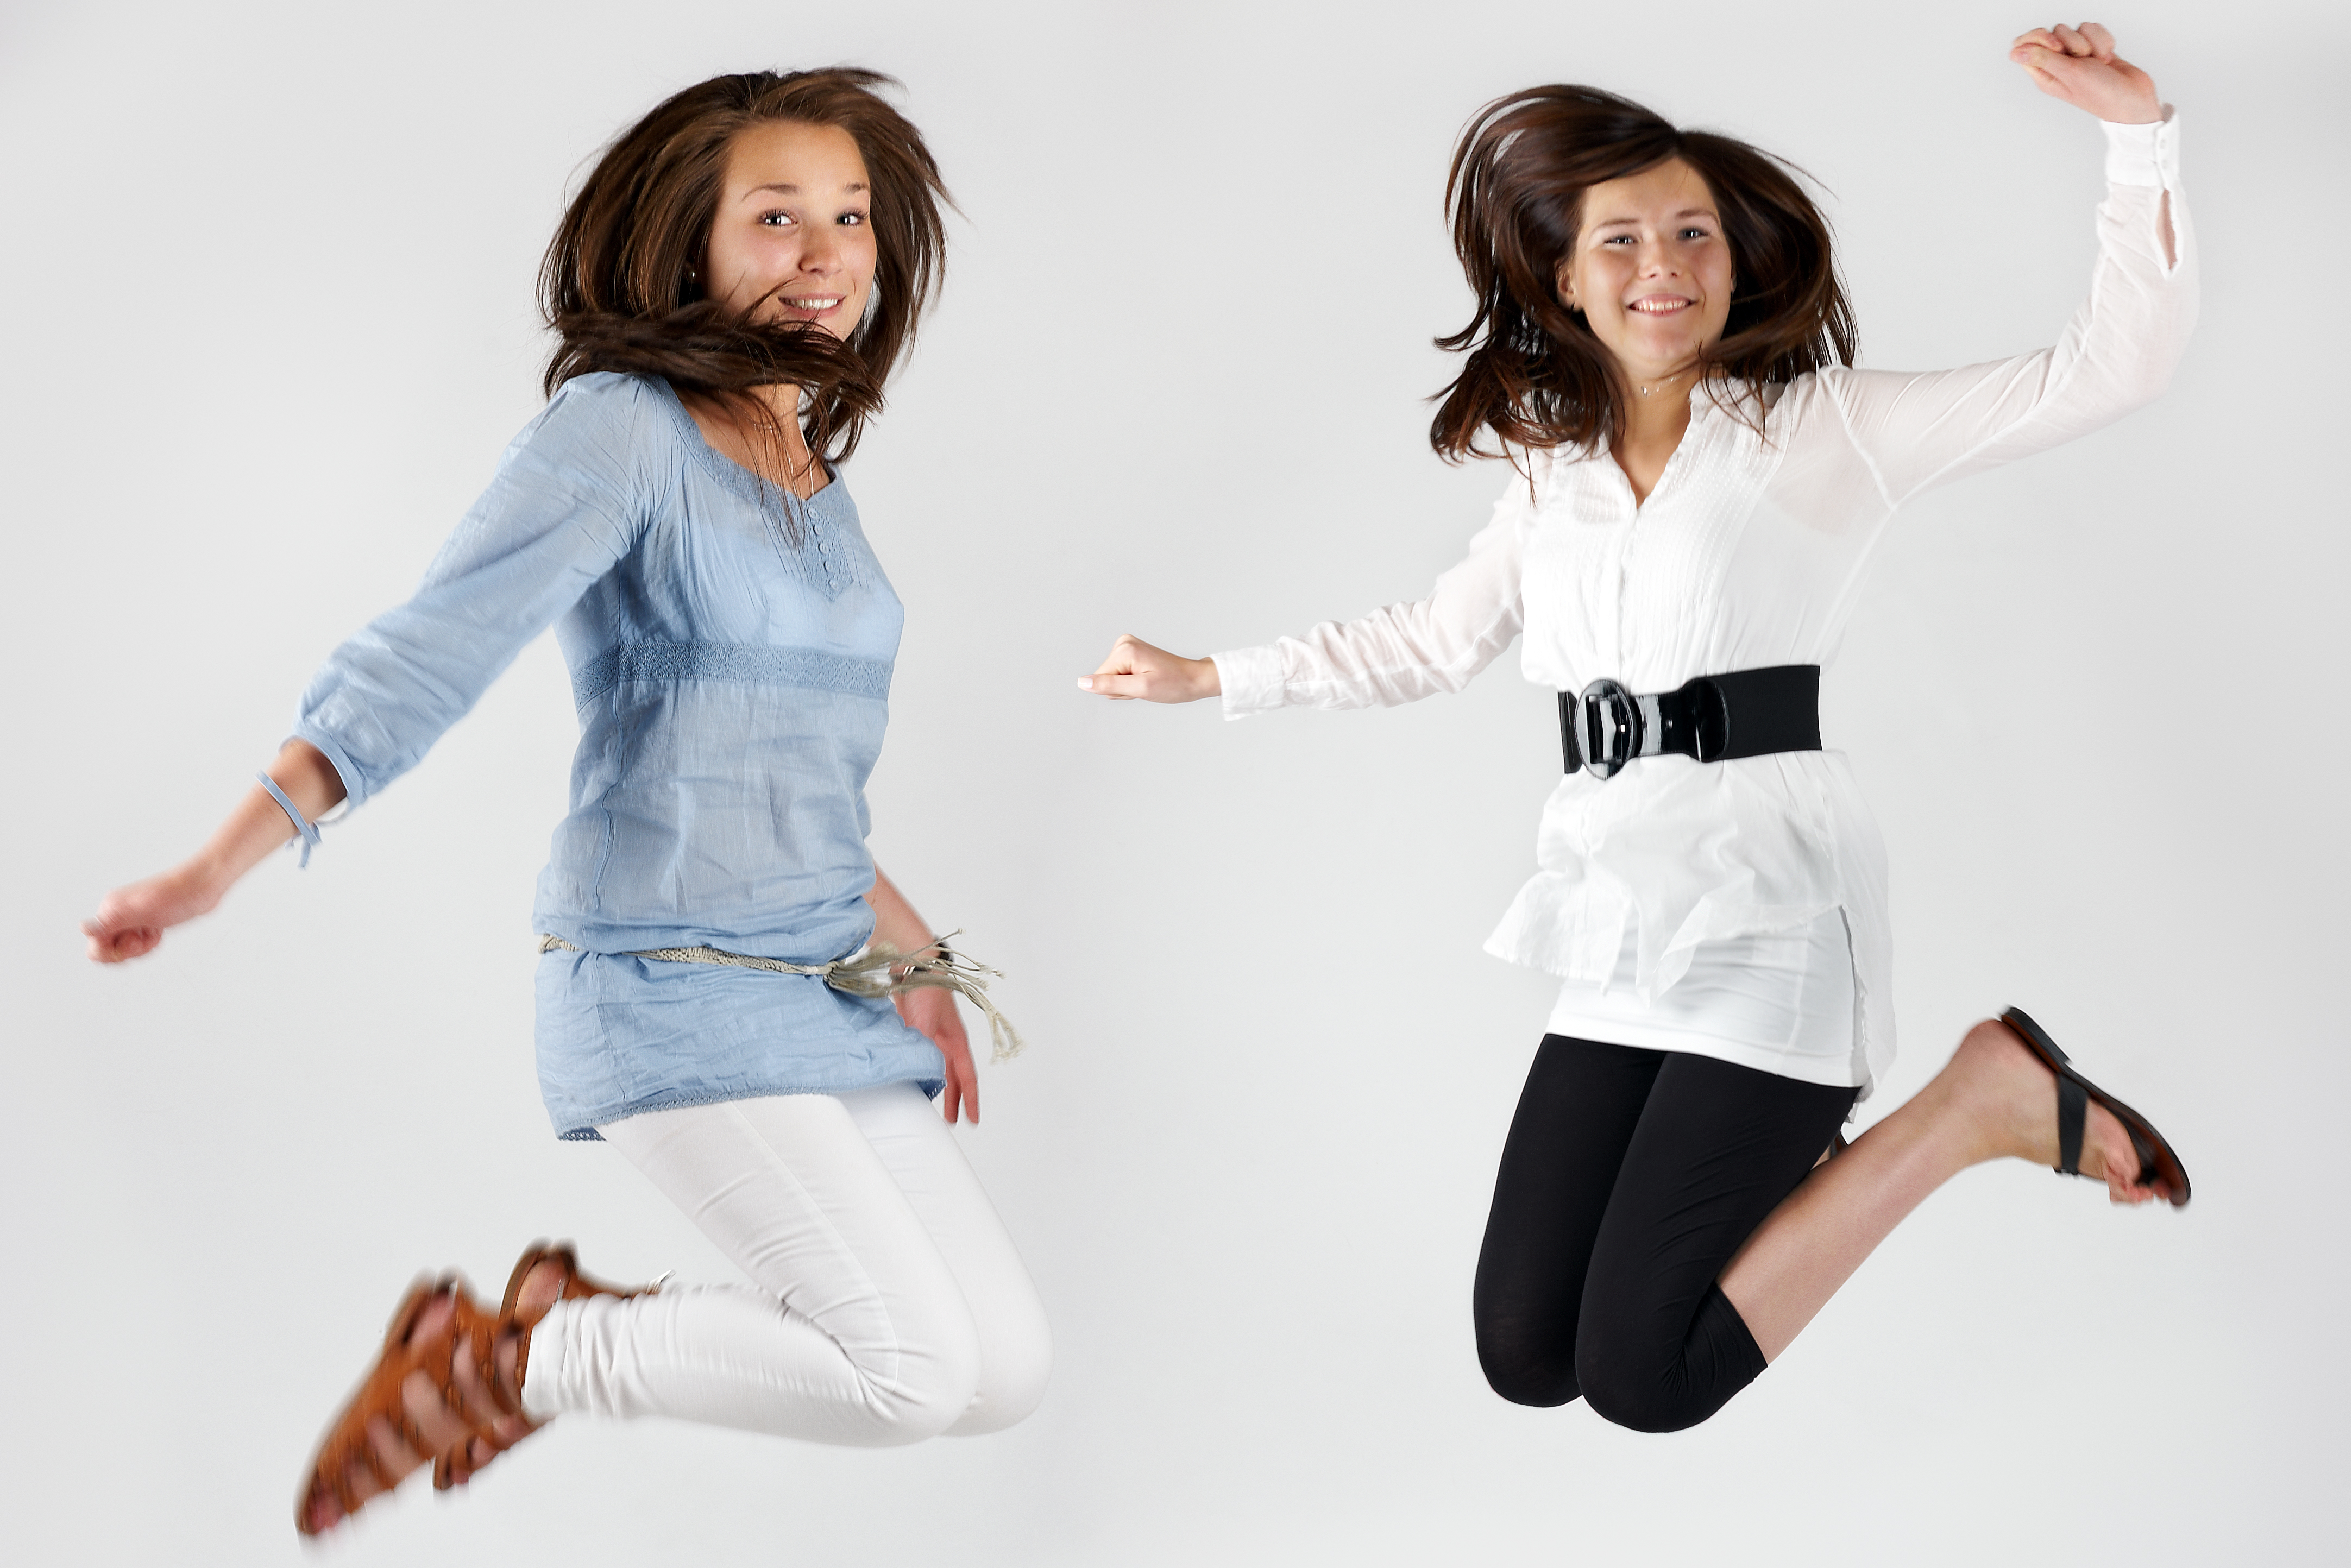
{"x": 918, "y": 1148}
{"x": 792, "y": 1190}
{"x": 1717, "y": 1147}
{"x": 1576, "y": 1116}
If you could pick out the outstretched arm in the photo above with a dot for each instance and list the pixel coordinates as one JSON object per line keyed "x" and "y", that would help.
{"x": 556, "y": 518}
{"x": 131, "y": 920}
{"x": 1397, "y": 654}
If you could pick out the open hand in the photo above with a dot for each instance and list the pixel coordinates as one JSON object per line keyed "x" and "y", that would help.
{"x": 931, "y": 1011}
{"x": 1137, "y": 669}
{"x": 2080, "y": 66}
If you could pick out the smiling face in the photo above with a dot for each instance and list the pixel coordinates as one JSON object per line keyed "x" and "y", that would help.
{"x": 792, "y": 234}
{"x": 1650, "y": 269}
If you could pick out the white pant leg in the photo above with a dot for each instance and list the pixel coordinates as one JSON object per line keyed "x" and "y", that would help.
{"x": 1016, "y": 1353}
{"x": 857, "y": 1331}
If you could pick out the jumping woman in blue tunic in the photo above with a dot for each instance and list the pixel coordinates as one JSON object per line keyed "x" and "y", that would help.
{"x": 730, "y": 288}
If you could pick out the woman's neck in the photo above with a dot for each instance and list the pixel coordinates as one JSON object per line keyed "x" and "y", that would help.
{"x": 1657, "y": 412}
{"x": 779, "y": 454}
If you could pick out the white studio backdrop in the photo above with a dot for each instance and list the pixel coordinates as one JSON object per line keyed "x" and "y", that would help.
{"x": 270, "y": 273}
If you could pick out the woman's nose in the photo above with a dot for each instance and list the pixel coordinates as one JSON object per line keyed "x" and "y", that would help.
{"x": 821, "y": 251}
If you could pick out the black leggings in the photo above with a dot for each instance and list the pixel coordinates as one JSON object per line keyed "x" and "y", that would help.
{"x": 1628, "y": 1181}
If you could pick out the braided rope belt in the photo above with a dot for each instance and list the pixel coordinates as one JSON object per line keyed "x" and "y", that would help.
{"x": 868, "y": 973}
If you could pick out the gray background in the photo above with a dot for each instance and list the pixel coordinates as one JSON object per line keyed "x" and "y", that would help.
{"x": 270, "y": 324}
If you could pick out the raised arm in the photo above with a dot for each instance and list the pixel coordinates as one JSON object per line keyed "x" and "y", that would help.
{"x": 2119, "y": 350}
{"x": 557, "y": 518}
{"x": 1395, "y": 655}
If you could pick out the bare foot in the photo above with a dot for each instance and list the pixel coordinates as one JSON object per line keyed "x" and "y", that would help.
{"x": 2009, "y": 1097}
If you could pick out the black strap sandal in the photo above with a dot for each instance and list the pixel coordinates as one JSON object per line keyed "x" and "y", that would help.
{"x": 2160, "y": 1167}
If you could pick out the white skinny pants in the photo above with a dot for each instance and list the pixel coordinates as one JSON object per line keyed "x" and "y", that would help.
{"x": 886, "y": 1303}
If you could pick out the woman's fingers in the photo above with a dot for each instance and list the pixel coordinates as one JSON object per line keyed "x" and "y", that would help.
{"x": 962, "y": 1091}
{"x": 931, "y": 1011}
{"x": 113, "y": 945}
{"x": 131, "y": 921}
{"x": 2089, "y": 41}
{"x": 1116, "y": 675}
{"x": 2080, "y": 66}
{"x": 1138, "y": 670}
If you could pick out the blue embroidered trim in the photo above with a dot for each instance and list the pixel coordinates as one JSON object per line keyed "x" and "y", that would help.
{"x": 734, "y": 663}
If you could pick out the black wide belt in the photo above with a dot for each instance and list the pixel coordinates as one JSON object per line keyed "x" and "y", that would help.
{"x": 1747, "y": 713}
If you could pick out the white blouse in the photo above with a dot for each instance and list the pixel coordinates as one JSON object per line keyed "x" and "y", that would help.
{"x": 1750, "y": 552}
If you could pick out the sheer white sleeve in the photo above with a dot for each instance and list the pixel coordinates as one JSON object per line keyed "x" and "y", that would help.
{"x": 1915, "y": 430}
{"x": 1404, "y": 652}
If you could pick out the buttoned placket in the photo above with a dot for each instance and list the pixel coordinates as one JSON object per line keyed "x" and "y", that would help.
{"x": 824, "y": 553}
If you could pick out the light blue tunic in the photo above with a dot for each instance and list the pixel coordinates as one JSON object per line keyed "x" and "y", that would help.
{"x": 732, "y": 684}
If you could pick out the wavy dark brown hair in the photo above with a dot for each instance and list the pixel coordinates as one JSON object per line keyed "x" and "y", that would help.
{"x": 1534, "y": 376}
{"x": 620, "y": 284}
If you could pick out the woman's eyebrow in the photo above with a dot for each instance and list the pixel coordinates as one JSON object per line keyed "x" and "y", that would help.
{"x": 853, "y": 186}
{"x": 1685, "y": 213}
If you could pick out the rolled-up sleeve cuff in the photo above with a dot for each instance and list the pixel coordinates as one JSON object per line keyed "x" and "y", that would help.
{"x": 354, "y": 783}
{"x": 1250, "y": 679}
{"x": 2145, "y": 154}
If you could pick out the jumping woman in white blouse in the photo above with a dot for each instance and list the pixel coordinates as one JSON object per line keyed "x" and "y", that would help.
{"x": 1662, "y": 339}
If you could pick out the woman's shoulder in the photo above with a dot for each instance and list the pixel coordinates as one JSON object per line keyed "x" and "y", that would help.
{"x": 605, "y": 419}
{"x": 612, "y": 402}
{"x": 604, "y": 432}
{"x": 1788, "y": 406}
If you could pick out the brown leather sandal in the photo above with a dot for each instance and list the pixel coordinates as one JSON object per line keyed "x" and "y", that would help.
{"x": 331, "y": 1493}
{"x": 457, "y": 1466}
{"x": 482, "y": 1391}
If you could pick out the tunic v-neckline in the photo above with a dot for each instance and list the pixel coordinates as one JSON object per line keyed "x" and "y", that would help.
{"x": 1665, "y": 470}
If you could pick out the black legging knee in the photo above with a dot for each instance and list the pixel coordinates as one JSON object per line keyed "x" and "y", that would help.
{"x": 1629, "y": 1180}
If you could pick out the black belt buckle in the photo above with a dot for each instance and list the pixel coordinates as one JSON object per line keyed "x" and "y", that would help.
{"x": 1606, "y": 723}
{"x": 1605, "y": 726}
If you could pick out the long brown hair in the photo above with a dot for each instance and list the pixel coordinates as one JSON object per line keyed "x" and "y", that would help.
{"x": 1534, "y": 375}
{"x": 620, "y": 283}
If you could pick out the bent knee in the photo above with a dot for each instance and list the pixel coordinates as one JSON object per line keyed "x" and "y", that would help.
{"x": 1637, "y": 1398}
{"x": 1527, "y": 1372}
{"x": 1014, "y": 1368}
{"x": 926, "y": 1384}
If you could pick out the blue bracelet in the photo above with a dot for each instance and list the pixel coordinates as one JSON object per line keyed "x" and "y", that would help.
{"x": 302, "y": 824}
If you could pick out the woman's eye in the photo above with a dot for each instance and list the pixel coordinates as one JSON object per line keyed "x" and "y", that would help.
{"x": 776, "y": 220}
{"x": 853, "y": 219}
{"x": 1696, "y": 233}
